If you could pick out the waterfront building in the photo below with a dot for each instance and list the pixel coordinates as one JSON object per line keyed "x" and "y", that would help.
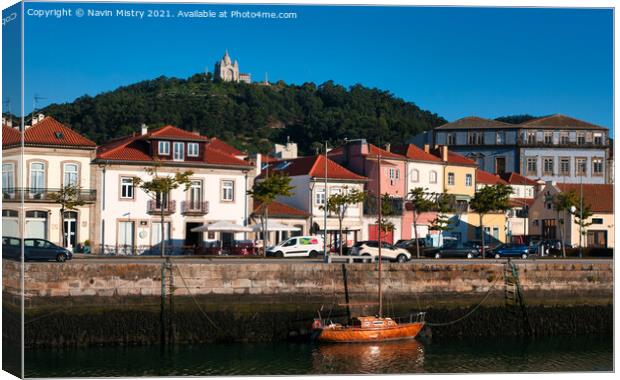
{"x": 554, "y": 148}
{"x": 53, "y": 156}
{"x": 524, "y": 190}
{"x": 282, "y": 214}
{"x": 227, "y": 70}
{"x": 545, "y": 222}
{"x": 496, "y": 225}
{"x": 308, "y": 176}
{"x": 130, "y": 219}
{"x": 361, "y": 157}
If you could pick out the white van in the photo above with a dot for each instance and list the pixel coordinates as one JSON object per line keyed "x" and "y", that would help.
{"x": 298, "y": 246}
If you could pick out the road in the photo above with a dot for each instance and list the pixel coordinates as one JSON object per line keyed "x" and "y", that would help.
{"x": 237, "y": 261}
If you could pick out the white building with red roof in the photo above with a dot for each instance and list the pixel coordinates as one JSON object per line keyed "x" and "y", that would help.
{"x": 308, "y": 176}
{"x": 52, "y": 157}
{"x": 128, "y": 217}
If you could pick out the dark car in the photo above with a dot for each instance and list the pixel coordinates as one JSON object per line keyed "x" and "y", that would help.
{"x": 410, "y": 246}
{"x": 453, "y": 249}
{"x": 34, "y": 249}
{"x": 511, "y": 250}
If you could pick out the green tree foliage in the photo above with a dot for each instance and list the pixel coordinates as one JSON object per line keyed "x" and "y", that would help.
{"x": 443, "y": 205}
{"x": 582, "y": 213}
{"x": 421, "y": 201}
{"x": 69, "y": 199}
{"x": 387, "y": 211}
{"x": 249, "y": 116}
{"x": 159, "y": 187}
{"x": 265, "y": 192}
{"x": 563, "y": 202}
{"x": 338, "y": 204}
{"x": 490, "y": 199}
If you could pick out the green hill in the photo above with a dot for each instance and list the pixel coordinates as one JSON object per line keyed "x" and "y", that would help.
{"x": 249, "y": 116}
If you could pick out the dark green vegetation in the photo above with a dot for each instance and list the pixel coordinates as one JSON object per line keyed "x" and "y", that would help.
{"x": 517, "y": 119}
{"x": 250, "y": 117}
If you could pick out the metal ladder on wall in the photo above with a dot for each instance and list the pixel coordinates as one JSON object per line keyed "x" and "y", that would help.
{"x": 513, "y": 296}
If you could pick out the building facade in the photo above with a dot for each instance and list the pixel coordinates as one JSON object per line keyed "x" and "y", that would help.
{"x": 130, "y": 219}
{"x": 53, "y": 157}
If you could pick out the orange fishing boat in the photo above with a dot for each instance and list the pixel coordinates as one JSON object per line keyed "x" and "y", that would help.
{"x": 370, "y": 328}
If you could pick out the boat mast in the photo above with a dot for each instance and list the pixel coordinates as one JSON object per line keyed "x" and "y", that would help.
{"x": 380, "y": 229}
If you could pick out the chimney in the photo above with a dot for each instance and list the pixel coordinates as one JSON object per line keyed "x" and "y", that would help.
{"x": 388, "y": 147}
{"x": 144, "y": 129}
{"x": 40, "y": 117}
{"x": 444, "y": 153}
{"x": 197, "y": 133}
{"x": 427, "y": 148}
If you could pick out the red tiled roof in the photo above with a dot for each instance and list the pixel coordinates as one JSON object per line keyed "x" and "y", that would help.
{"x": 215, "y": 156}
{"x": 559, "y": 121}
{"x": 173, "y": 132}
{"x": 414, "y": 153}
{"x": 46, "y": 132}
{"x": 314, "y": 166}
{"x": 10, "y": 136}
{"x": 517, "y": 202}
{"x": 374, "y": 151}
{"x": 487, "y": 178}
{"x": 600, "y": 198}
{"x": 218, "y": 144}
{"x": 278, "y": 209}
{"x": 517, "y": 179}
{"x": 457, "y": 159}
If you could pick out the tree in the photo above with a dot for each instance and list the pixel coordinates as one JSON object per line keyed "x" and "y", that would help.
{"x": 387, "y": 210}
{"x": 159, "y": 188}
{"x": 563, "y": 203}
{"x": 443, "y": 205}
{"x": 490, "y": 199}
{"x": 421, "y": 202}
{"x": 265, "y": 192}
{"x": 582, "y": 213}
{"x": 339, "y": 203}
{"x": 69, "y": 199}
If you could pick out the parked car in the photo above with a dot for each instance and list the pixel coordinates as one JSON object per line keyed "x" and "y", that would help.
{"x": 511, "y": 250}
{"x": 34, "y": 249}
{"x": 453, "y": 249}
{"x": 388, "y": 251}
{"x": 410, "y": 246}
{"x": 298, "y": 246}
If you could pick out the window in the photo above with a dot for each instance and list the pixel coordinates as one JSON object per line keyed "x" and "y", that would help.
{"x": 564, "y": 166}
{"x": 71, "y": 174}
{"x": 597, "y": 166}
{"x": 548, "y": 166}
{"x": 581, "y": 166}
{"x": 415, "y": 175}
{"x": 499, "y": 137}
{"x": 517, "y": 191}
{"x": 468, "y": 180}
{"x": 549, "y": 138}
{"x": 531, "y": 166}
{"x": 161, "y": 201}
{"x": 164, "y": 148}
{"x": 228, "y": 190}
{"x": 37, "y": 176}
{"x": 597, "y": 220}
{"x": 451, "y": 139}
{"x": 394, "y": 173}
{"x": 530, "y": 137}
{"x": 8, "y": 178}
{"x": 476, "y": 138}
{"x": 178, "y": 153}
{"x": 432, "y": 176}
{"x": 192, "y": 150}
{"x": 581, "y": 138}
{"x": 397, "y": 173}
{"x": 195, "y": 195}
{"x": 451, "y": 179}
{"x": 564, "y": 139}
{"x": 335, "y": 191}
{"x": 598, "y": 139}
{"x": 126, "y": 188}
{"x": 319, "y": 197}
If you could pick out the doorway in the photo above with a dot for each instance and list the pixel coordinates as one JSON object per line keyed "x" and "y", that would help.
{"x": 192, "y": 238}
{"x": 70, "y": 229}
{"x": 500, "y": 165}
{"x": 597, "y": 239}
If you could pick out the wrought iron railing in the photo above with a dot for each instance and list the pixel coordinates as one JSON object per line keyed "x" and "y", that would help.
{"x": 194, "y": 208}
{"x": 43, "y": 194}
{"x": 155, "y": 207}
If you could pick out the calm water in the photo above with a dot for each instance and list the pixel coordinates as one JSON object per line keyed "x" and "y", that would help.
{"x": 480, "y": 355}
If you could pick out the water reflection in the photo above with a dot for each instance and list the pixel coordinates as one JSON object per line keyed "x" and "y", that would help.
{"x": 376, "y": 357}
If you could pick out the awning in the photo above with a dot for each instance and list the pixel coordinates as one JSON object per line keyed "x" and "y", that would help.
{"x": 332, "y": 224}
{"x": 274, "y": 226}
{"x": 221, "y": 226}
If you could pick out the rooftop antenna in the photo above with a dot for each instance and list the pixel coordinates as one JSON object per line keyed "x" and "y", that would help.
{"x": 35, "y": 99}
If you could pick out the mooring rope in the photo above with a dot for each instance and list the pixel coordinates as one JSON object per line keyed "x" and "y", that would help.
{"x": 194, "y": 298}
{"x": 469, "y": 312}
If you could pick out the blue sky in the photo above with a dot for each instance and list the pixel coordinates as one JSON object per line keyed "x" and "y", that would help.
{"x": 453, "y": 61}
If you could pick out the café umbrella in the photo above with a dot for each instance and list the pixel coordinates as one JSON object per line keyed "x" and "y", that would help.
{"x": 221, "y": 226}
{"x": 274, "y": 226}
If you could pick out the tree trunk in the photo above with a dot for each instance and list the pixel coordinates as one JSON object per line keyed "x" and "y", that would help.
{"x": 265, "y": 230}
{"x": 415, "y": 233}
{"x": 163, "y": 236}
{"x": 340, "y": 234}
{"x": 62, "y": 227}
{"x": 562, "y": 235}
{"x": 482, "y": 236}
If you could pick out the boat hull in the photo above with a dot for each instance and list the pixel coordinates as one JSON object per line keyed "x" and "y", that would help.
{"x": 373, "y": 334}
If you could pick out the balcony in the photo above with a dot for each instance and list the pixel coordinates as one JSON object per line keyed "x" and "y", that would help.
{"x": 154, "y": 207}
{"x": 559, "y": 144}
{"x": 43, "y": 195}
{"x": 190, "y": 208}
{"x": 370, "y": 206}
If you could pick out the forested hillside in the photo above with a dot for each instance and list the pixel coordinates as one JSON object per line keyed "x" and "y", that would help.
{"x": 249, "y": 116}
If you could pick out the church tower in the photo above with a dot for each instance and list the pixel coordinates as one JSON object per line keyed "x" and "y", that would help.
{"x": 226, "y": 70}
